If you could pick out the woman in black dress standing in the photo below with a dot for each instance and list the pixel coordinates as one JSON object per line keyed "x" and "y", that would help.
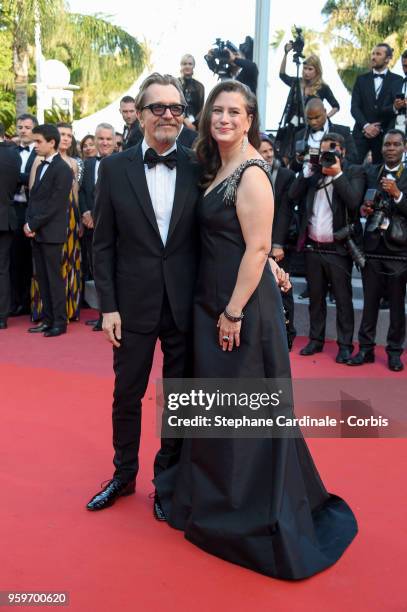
{"x": 259, "y": 502}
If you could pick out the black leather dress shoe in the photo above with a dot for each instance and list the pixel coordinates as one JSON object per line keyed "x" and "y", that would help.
{"x": 361, "y": 358}
{"x": 395, "y": 364}
{"x": 54, "y": 331}
{"x": 311, "y": 348}
{"x": 304, "y": 295}
{"x": 3, "y": 324}
{"x": 343, "y": 356}
{"x": 97, "y": 326}
{"x": 158, "y": 511}
{"x": 91, "y": 322}
{"x": 39, "y": 329}
{"x": 114, "y": 489}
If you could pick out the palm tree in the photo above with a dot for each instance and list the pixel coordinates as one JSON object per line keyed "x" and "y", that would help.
{"x": 356, "y": 26}
{"x": 92, "y": 44}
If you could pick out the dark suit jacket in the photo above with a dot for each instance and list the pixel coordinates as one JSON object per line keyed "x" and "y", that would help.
{"x": 25, "y": 176}
{"x": 351, "y": 153}
{"x": 134, "y": 137}
{"x": 283, "y": 206}
{"x": 187, "y": 137}
{"x": 87, "y": 189}
{"x": 371, "y": 239}
{"x": 47, "y": 212}
{"x": 348, "y": 192}
{"x": 365, "y": 108}
{"x": 10, "y": 162}
{"x": 132, "y": 267}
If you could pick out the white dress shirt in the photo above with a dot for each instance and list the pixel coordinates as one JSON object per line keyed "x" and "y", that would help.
{"x": 378, "y": 82}
{"x": 46, "y": 166}
{"x": 20, "y": 196}
{"x": 161, "y": 186}
{"x": 314, "y": 138}
{"x": 320, "y": 225}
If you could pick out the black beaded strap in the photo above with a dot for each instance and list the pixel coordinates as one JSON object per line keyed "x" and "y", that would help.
{"x": 232, "y": 318}
{"x": 232, "y": 183}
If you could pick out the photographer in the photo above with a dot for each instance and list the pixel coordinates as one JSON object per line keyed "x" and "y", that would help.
{"x": 236, "y": 64}
{"x": 312, "y": 84}
{"x": 329, "y": 193}
{"x": 385, "y": 240}
{"x": 194, "y": 91}
{"x": 319, "y": 124}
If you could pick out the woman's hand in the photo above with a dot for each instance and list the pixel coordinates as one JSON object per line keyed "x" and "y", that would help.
{"x": 229, "y": 333}
{"x": 282, "y": 277}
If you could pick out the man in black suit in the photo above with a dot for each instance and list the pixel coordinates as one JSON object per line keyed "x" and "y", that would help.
{"x": 47, "y": 224}
{"x": 10, "y": 163}
{"x": 372, "y": 104}
{"x": 281, "y": 179}
{"x": 145, "y": 267}
{"x": 21, "y": 256}
{"x": 132, "y": 133}
{"x": 329, "y": 199}
{"x": 105, "y": 138}
{"x": 385, "y": 244}
{"x": 319, "y": 124}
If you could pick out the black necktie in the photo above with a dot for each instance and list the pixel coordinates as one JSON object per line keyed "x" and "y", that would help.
{"x": 38, "y": 172}
{"x": 22, "y": 148}
{"x": 151, "y": 158}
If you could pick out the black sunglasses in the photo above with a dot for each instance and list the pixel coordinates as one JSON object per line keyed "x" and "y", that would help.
{"x": 158, "y": 109}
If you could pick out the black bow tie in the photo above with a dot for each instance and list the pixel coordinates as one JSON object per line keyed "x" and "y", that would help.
{"x": 392, "y": 172}
{"x": 151, "y": 158}
{"x": 378, "y": 76}
{"x": 99, "y": 157}
{"x": 22, "y": 148}
{"x": 45, "y": 162}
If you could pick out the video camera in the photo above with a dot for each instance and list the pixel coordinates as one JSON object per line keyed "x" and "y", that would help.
{"x": 381, "y": 205}
{"x": 346, "y": 234}
{"x": 219, "y": 60}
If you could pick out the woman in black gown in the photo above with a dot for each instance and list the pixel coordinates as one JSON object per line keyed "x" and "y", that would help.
{"x": 259, "y": 503}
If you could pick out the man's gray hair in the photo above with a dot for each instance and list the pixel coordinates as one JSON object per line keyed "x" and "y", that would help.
{"x": 105, "y": 126}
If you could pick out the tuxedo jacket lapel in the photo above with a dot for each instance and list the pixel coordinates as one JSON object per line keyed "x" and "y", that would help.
{"x": 182, "y": 188}
{"x": 137, "y": 177}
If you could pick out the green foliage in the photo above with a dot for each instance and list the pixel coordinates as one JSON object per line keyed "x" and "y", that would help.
{"x": 57, "y": 114}
{"x": 356, "y": 26}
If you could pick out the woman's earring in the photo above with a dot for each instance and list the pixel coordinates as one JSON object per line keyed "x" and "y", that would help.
{"x": 245, "y": 143}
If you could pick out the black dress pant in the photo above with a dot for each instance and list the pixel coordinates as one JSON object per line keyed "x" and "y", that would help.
{"x": 376, "y": 275}
{"x": 324, "y": 269}
{"x": 132, "y": 364}
{"x": 88, "y": 236}
{"x": 47, "y": 258}
{"x": 21, "y": 269}
{"x": 288, "y": 299}
{"x": 6, "y": 239}
{"x": 364, "y": 145}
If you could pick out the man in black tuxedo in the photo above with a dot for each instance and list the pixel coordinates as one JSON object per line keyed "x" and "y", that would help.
{"x": 385, "y": 244}
{"x": 372, "y": 104}
{"x": 132, "y": 133}
{"x": 10, "y": 163}
{"x": 329, "y": 199}
{"x": 319, "y": 124}
{"x": 145, "y": 267}
{"x": 105, "y": 138}
{"x": 21, "y": 256}
{"x": 47, "y": 224}
{"x": 281, "y": 179}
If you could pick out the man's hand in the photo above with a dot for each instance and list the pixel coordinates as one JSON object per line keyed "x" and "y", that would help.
{"x": 287, "y": 47}
{"x": 400, "y": 104}
{"x": 366, "y": 209}
{"x": 277, "y": 253}
{"x": 333, "y": 170}
{"x": 112, "y": 327}
{"x": 372, "y": 130}
{"x": 389, "y": 185}
{"x": 28, "y": 232}
{"x": 87, "y": 219}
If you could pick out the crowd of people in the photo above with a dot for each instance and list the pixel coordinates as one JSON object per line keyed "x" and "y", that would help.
{"x": 188, "y": 243}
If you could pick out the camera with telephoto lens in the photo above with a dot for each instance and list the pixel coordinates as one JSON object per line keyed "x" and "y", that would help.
{"x": 401, "y": 96}
{"x": 346, "y": 234}
{"x": 310, "y": 154}
{"x": 329, "y": 158}
{"x": 379, "y": 201}
{"x": 219, "y": 60}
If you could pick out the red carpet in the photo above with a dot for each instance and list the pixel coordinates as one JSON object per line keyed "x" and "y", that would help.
{"x": 56, "y": 449}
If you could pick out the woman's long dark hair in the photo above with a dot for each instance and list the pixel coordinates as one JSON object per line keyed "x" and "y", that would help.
{"x": 206, "y": 147}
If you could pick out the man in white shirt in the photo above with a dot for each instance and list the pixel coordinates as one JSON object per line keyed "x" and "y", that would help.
{"x": 145, "y": 252}
{"x": 329, "y": 197}
{"x": 21, "y": 256}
